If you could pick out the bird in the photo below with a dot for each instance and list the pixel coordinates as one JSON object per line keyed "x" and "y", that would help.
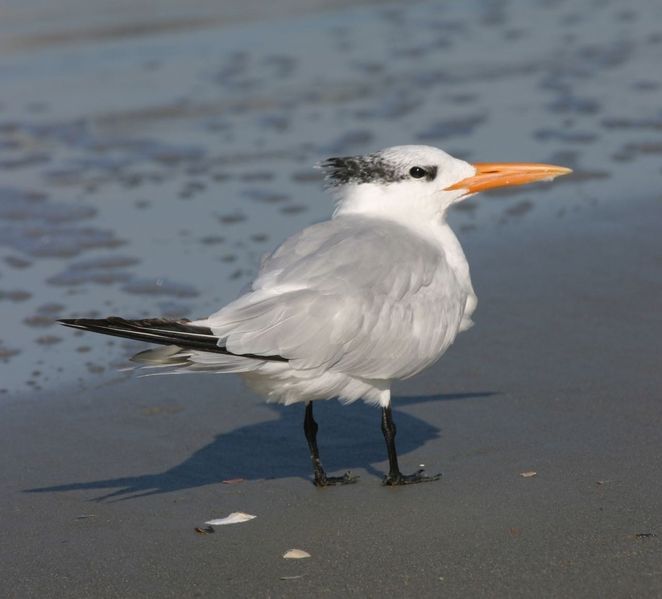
{"x": 341, "y": 309}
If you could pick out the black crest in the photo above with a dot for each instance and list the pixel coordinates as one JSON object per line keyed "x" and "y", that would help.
{"x": 371, "y": 168}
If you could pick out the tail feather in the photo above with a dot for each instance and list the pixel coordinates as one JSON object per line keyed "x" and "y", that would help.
{"x": 170, "y": 355}
{"x": 179, "y": 333}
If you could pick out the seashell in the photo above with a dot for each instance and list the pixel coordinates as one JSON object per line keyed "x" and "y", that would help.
{"x": 233, "y": 518}
{"x": 296, "y": 554}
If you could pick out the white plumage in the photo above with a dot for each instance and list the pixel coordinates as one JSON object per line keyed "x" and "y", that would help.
{"x": 377, "y": 293}
{"x": 344, "y": 307}
{"x": 362, "y": 298}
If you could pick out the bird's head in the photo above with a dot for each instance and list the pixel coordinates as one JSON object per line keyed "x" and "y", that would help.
{"x": 420, "y": 182}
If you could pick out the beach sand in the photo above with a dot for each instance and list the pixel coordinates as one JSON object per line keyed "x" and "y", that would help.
{"x": 556, "y": 378}
{"x": 161, "y": 189}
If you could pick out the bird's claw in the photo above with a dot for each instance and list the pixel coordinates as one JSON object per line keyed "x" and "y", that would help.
{"x": 327, "y": 481}
{"x": 394, "y": 480}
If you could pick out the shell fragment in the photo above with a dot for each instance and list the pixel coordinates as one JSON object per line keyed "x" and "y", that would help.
{"x": 296, "y": 554}
{"x": 233, "y": 518}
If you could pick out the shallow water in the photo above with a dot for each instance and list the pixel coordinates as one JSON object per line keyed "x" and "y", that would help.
{"x": 146, "y": 173}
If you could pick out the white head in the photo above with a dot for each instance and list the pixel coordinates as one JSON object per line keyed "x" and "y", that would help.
{"x": 419, "y": 183}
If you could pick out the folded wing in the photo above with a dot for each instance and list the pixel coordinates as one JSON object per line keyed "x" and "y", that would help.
{"x": 357, "y": 295}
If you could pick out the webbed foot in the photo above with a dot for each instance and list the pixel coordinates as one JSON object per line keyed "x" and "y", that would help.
{"x": 397, "y": 479}
{"x": 327, "y": 481}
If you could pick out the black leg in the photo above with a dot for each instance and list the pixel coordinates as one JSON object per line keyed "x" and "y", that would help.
{"x": 394, "y": 476}
{"x": 321, "y": 479}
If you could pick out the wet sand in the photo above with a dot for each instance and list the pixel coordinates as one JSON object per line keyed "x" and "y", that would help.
{"x": 103, "y": 489}
{"x": 145, "y": 173}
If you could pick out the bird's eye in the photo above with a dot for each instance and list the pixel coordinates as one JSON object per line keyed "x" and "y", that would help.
{"x": 417, "y": 172}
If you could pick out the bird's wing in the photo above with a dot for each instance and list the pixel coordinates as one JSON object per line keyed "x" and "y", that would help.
{"x": 360, "y": 295}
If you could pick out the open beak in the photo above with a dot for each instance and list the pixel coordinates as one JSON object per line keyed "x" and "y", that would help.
{"x": 506, "y": 174}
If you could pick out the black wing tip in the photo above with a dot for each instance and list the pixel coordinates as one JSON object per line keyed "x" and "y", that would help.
{"x": 77, "y": 322}
{"x": 73, "y": 322}
{"x": 171, "y": 332}
{"x": 84, "y": 322}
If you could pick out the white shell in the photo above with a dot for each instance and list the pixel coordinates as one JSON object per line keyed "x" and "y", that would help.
{"x": 528, "y": 474}
{"x": 233, "y": 518}
{"x": 296, "y": 554}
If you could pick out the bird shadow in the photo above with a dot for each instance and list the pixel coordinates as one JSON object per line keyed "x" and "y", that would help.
{"x": 277, "y": 449}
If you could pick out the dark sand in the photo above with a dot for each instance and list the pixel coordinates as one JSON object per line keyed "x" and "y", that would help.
{"x": 102, "y": 489}
{"x": 150, "y": 157}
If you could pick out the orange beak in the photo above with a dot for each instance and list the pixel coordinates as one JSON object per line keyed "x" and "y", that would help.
{"x": 506, "y": 174}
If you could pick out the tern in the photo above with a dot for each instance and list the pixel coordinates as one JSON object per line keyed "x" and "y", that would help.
{"x": 343, "y": 308}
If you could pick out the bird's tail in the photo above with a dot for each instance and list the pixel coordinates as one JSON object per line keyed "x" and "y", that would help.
{"x": 181, "y": 336}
